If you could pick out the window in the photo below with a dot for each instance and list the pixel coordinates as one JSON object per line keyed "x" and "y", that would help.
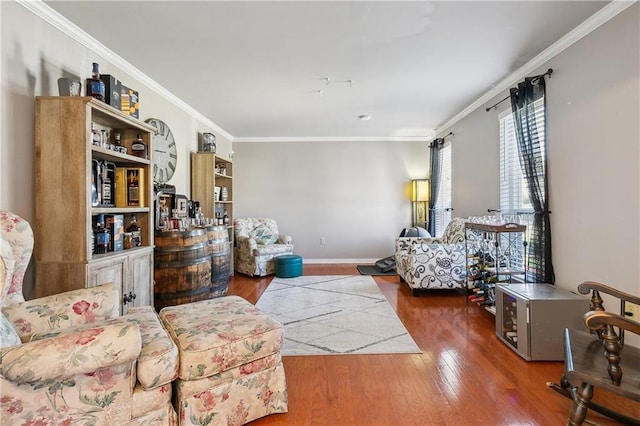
{"x": 443, "y": 204}
{"x": 515, "y": 204}
{"x": 514, "y": 194}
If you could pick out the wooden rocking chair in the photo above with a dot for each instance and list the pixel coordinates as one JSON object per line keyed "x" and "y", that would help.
{"x": 601, "y": 359}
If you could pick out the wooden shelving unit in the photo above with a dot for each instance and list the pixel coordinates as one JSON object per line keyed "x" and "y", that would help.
{"x": 64, "y": 212}
{"x": 209, "y": 171}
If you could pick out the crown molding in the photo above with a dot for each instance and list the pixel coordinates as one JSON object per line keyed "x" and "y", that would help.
{"x": 596, "y": 20}
{"x": 46, "y": 13}
{"x": 336, "y": 139}
{"x": 51, "y": 16}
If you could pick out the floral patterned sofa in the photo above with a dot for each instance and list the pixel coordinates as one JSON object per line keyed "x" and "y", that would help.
{"x": 258, "y": 241}
{"x": 433, "y": 263}
{"x": 70, "y": 358}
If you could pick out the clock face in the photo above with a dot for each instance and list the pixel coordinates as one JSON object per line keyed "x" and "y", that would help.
{"x": 165, "y": 153}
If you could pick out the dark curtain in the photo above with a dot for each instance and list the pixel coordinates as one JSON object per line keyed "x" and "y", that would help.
{"x": 434, "y": 178}
{"x": 533, "y": 162}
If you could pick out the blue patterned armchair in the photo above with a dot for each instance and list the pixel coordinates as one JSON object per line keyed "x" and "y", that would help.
{"x": 258, "y": 241}
{"x": 433, "y": 263}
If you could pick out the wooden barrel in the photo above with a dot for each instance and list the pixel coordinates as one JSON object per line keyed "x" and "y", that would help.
{"x": 182, "y": 271}
{"x": 220, "y": 249}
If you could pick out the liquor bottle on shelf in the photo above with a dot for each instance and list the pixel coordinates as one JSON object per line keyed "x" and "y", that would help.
{"x": 104, "y": 140}
{"x": 95, "y": 136}
{"x": 101, "y": 236}
{"x": 106, "y": 184}
{"x": 133, "y": 188}
{"x": 95, "y": 183}
{"x": 117, "y": 142}
{"x": 225, "y": 219}
{"x": 134, "y": 228}
{"x": 139, "y": 148}
{"x": 95, "y": 86}
{"x": 200, "y": 216}
{"x": 107, "y": 180}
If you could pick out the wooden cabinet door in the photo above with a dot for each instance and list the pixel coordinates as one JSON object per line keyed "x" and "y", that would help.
{"x": 108, "y": 271}
{"x": 139, "y": 281}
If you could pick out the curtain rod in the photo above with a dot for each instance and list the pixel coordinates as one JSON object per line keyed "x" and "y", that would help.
{"x": 537, "y": 77}
{"x": 440, "y": 140}
{"x": 447, "y": 135}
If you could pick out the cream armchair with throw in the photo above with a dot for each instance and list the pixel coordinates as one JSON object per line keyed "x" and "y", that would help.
{"x": 258, "y": 241}
{"x": 71, "y": 359}
{"x": 433, "y": 263}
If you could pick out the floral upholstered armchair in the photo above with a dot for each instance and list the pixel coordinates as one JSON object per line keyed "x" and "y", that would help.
{"x": 71, "y": 359}
{"x": 433, "y": 263}
{"x": 258, "y": 241}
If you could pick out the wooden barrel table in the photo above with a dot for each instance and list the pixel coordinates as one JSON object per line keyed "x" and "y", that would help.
{"x": 182, "y": 267}
{"x": 220, "y": 249}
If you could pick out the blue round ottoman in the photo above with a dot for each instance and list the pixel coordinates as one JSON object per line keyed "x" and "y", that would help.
{"x": 288, "y": 266}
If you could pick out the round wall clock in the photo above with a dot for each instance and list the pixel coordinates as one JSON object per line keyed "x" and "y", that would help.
{"x": 165, "y": 153}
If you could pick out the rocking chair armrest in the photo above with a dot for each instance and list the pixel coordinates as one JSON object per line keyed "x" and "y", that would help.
{"x": 589, "y": 286}
{"x": 596, "y": 320}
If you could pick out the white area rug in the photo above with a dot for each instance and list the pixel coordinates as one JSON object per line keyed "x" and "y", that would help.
{"x": 335, "y": 314}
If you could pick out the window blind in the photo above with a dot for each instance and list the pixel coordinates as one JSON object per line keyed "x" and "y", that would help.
{"x": 443, "y": 205}
{"x": 514, "y": 195}
{"x": 515, "y": 203}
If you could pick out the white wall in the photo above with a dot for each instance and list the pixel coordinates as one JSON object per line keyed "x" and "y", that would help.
{"x": 594, "y": 164}
{"x": 593, "y": 110}
{"x": 34, "y": 56}
{"x": 354, "y": 194}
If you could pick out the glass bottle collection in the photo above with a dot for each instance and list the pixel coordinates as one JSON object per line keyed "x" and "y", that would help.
{"x": 103, "y": 184}
{"x": 171, "y": 219}
{"x": 102, "y": 238}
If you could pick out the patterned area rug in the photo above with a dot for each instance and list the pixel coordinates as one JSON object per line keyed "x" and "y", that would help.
{"x": 335, "y": 314}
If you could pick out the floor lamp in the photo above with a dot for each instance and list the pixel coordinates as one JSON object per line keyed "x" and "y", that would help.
{"x": 420, "y": 202}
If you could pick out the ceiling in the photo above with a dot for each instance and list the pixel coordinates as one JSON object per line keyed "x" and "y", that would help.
{"x": 297, "y": 69}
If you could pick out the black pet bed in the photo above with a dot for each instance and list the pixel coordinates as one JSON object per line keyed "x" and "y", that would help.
{"x": 372, "y": 270}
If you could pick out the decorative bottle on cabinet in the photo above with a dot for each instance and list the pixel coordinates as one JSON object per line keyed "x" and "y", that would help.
{"x": 95, "y": 86}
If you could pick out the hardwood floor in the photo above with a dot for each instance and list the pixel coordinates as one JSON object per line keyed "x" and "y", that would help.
{"x": 465, "y": 375}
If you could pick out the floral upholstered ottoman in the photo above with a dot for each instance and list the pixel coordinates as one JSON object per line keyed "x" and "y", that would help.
{"x": 230, "y": 369}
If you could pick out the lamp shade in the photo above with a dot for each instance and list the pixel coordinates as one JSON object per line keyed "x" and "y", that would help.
{"x": 420, "y": 190}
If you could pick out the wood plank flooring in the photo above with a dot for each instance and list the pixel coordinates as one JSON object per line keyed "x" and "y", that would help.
{"x": 465, "y": 375}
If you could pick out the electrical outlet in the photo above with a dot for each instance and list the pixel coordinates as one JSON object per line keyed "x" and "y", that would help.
{"x": 631, "y": 311}
{"x": 323, "y": 241}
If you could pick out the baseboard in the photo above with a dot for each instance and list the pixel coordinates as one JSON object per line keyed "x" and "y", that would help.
{"x": 328, "y": 261}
